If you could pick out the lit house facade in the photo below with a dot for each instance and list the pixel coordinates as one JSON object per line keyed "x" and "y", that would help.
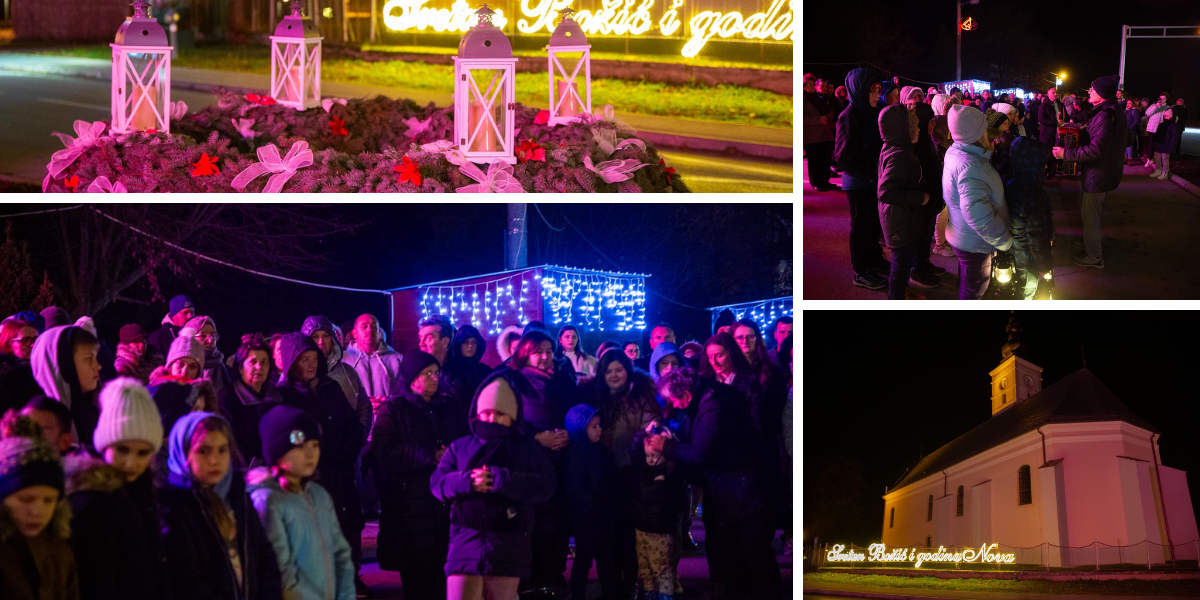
{"x": 1068, "y": 465}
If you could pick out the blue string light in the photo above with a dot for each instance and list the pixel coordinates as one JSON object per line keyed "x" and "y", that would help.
{"x": 762, "y": 312}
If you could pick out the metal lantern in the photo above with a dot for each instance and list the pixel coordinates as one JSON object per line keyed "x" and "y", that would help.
{"x": 568, "y": 52}
{"x": 141, "y": 74}
{"x": 296, "y": 61}
{"x": 484, "y": 93}
{"x": 1003, "y": 273}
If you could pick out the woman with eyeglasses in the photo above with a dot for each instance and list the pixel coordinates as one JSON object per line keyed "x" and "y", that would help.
{"x": 214, "y": 368}
{"x": 17, "y": 384}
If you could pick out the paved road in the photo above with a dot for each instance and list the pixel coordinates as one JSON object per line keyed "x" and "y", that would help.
{"x": 1148, "y": 228}
{"x": 32, "y": 106}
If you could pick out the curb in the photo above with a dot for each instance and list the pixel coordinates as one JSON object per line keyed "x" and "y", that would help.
{"x": 1185, "y": 184}
{"x": 807, "y": 590}
{"x": 662, "y": 140}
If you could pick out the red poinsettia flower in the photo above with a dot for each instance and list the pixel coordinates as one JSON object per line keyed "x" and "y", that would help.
{"x": 338, "y": 126}
{"x": 542, "y": 117}
{"x": 408, "y": 172}
{"x": 72, "y": 183}
{"x": 260, "y": 100}
{"x": 151, "y": 131}
{"x": 530, "y": 150}
{"x": 668, "y": 170}
{"x": 207, "y": 165}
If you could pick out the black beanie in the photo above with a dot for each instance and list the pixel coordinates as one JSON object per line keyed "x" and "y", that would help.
{"x": 1107, "y": 86}
{"x": 283, "y": 428}
{"x": 724, "y": 319}
{"x": 414, "y": 362}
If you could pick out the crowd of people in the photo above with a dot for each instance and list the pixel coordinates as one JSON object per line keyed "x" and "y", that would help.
{"x": 167, "y": 469}
{"x": 961, "y": 174}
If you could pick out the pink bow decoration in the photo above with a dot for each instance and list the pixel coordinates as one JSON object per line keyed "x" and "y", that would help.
{"x": 607, "y": 140}
{"x": 178, "y": 110}
{"x": 298, "y": 157}
{"x": 328, "y": 103}
{"x": 438, "y": 146}
{"x": 102, "y": 185}
{"x": 244, "y": 127}
{"x": 613, "y": 171}
{"x": 498, "y": 179}
{"x": 416, "y": 127}
{"x": 608, "y": 116}
{"x": 89, "y": 134}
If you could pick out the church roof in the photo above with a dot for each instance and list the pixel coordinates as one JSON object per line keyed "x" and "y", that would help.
{"x": 1077, "y": 398}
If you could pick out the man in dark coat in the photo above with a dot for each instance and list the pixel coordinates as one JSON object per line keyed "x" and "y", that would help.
{"x": 901, "y": 195}
{"x": 1133, "y": 118}
{"x": 988, "y": 101}
{"x": 158, "y": 345}
{"x": 1031, "y": 121}
{"x": 818, "y": 138}
{"x": 1050, "y": 115}
{"x": 857, "y": 150}
{"x": 1101, "y": 162}
{"x": 1181, "y": 117}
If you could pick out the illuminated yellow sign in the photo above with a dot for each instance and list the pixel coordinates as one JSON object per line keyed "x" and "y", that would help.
{"x": 613, "y": 17}
{"x": 880, "y": 553}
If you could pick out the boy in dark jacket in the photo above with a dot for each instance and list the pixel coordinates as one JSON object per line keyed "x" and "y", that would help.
{"x": 658, "y": 511}
{"x": 1031, "y": 218}
{"x": 931, "y": 177}
{"x": 856, "y": 150}
{"x": 591, "y": 478}
{"x": 901, "y": 196}
{"x": 1166, "y": 143}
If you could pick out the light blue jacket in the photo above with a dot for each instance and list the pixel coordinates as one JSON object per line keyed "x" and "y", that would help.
{"x": 314, "y": 558}
{"x": 974, "y": 195}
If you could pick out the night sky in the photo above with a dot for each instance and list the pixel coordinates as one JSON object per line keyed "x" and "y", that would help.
{"x": 883, "y": 387}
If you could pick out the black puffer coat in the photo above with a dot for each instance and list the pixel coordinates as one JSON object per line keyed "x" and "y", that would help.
{"x": 1102, "y": 160}
{"x": 901, "y": 192}
{"x": 857, "y": 144}
{"x": 414, "y": 526}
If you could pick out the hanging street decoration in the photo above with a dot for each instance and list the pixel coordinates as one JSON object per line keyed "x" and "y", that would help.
{"x": 763, "y": 312}
{"x": 969, "y": 24}
{"x": 880, "y": 553}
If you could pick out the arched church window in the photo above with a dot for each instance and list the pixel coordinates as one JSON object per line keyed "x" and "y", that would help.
{"x": 929, "y": 515}
{"x": 892, "y": 523}
{"x": 960, "y": 500}
{"x": 1025, "y": 493}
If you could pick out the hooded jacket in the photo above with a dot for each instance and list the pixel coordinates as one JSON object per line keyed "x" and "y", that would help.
{"x": 901, "y": 193}
{"x": 527, "y": 479}
{"x": 115, "y": 538}
{"x": 413, "y": 525}
{"x": 313, "y": 556}
{"x": 1030, "y": 213}
{"x": 461, "y": 374}
{"x": 1102, "y": 159}
{"x": 858, "y": 144}
{"x": 161, "y": 339}
{"x": 662, "y": 351}
{"x": 379, "y": 371}
{"x": 41, "y": 567}
{"x": 199, "y": 561}
{"x": 975, "y": 196}
{"x": 343, "y": 374}
{"x": 590, "y": 474}
{"x": 53, "y": 366}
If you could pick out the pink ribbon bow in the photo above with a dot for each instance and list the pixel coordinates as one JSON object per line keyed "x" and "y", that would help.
{"x": 608, "y": 116}
{"x": 298, "y": 157}
{"x": 101, "y": 185}
{"x": 612, "y": 171}
{"x": 607, "y": 140}
{"x": 178, "y": 110}
{"x": 328, "y": 103}
{"x": 89, "y": 134}
{"x": 243, "y": 127}
{"x": 438, "y": 146}
{"x": 416, "y": 127}
{"x": 498, "y": 179}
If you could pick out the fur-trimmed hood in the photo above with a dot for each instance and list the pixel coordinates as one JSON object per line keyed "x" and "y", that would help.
{"x": 86, "y": 473}
{"x": 58, "y": 529}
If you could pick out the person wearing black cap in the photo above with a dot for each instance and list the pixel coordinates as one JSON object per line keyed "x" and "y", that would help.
{"x": 1102, "y": 160}
{"x": 181, "y": 310}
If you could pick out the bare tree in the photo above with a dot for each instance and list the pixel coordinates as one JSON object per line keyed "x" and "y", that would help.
{"x": 884, "y": 36}
{"x": 21, "y": 289}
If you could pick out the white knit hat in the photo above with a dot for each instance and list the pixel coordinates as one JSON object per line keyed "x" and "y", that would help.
{"x": 185, "y": 346}
{"x": 127, "y": 412}
{"x": 967, "y": 124}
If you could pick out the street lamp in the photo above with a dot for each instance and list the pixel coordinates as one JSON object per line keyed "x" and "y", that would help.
{"x": 958, "y": 31}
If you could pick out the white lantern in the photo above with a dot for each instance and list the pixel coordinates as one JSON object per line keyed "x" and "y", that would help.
{"x": 568, "y": 52}
{"x": 296, "y": 61}
{"x": 484, "y": 93}
{"x": 141, "y": 74}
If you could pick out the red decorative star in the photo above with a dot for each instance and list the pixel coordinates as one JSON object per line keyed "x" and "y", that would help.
{"x": 408, "y": 172}
{"x": 207, "y": 165}
{"x": 542, "y": 117}
{"x": 72, "y": 183}
{"x": 338, "y": 126}
{"x": 530, "y": 150}
{"x": 668, "y": 170}
{"x": 260, "y": 100}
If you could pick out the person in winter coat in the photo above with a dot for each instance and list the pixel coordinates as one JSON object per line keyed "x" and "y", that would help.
{"x": 818, "y": 138}
{"x": 1051, "y": 115}
{"x": 889, "y": 93}
{"x": 988, "y": 101}
{"x": 931, "y": 180}
{"x": 377, "y": 364}
{"x": 297, "y": 514}
{"x": 65, "y": 366}
{"x": 411, "y": 433}
{"x": 591, "y": 482}
{"x": 213, "y": 540}
{"x": 1181, "y": 117}
{"x": 1100, "y": 162}
{"x": 178, "y": 388}
{"x": 465, "y": 370}
{"x": 1166, "y": 143}
{"x": 660, "y": 503}
{"x": 55, "y": 421}
{"x": 1031, "y": 217}
{"x": 941, "y": 137}
{"x": 244, "y": 402}
{"x": 180, "y": 312}
{"x": 492, "y": 479}
{"x": 36, "y": 561}
{"x": 322, "y": 332}
{"x": 305, "y": 384}
{"x": 665, "y": 358}
{"x": 975, "y": 195}
{"x": 1001, "y": 134}
{"x": 570, "y": 346}
{"x": 1031, "y": 117}
{"x": 857, "y": 149}
{"x": 1133, "y": 119}
{"x": 131, "y": 351}
{"x": 114, "y": 514}
{"x": 901, "y": 196}
{"x": 213, "y": 367}
{"x": 726, "y": 449}
{"x": 17, "y": 384}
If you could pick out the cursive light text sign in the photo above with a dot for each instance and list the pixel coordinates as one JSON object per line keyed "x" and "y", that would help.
{"x": 880, "y": 553}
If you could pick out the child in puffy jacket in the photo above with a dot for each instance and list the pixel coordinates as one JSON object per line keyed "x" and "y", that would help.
{"x": 901, "y": 196}
{"x": 1166, "y": 143}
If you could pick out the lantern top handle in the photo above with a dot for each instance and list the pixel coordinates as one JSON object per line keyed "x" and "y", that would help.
{"x": 484, "y": 40}
{"x": 485, "y": 14}
{"x": 141, "y": 29}
{"x": 568, "y": 32}
{"x": 295, "y": 25}
{"x": 140, "y": 8}
{"x": 296, "y": 9}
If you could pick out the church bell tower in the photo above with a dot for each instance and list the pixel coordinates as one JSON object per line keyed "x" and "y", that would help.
{"x": 1016, "y": 379}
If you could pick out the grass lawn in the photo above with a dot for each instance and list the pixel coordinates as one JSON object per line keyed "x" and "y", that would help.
{"x": 1188, "y": 587}
{"x": 726, "y": 103}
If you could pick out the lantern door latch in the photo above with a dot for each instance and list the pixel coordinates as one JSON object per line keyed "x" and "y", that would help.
{"x": 512, "y": 106}
{"x": 464, "y": 76}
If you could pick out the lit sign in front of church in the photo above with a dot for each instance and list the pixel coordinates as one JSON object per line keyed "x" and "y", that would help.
{"x": 880, "y": 553}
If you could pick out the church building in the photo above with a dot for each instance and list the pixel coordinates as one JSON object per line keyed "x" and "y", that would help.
{"x": 1069, "y": 465}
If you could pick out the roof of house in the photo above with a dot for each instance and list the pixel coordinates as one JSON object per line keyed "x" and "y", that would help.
{"x": 1077, "y": 398}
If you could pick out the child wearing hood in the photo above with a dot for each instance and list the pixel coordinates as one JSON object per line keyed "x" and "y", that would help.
{"x": 296, "y": 512}
{"x": 215, "y": 544}
{"x": 591, "y": 478}
{"x": 492, "y": 479}
{"x": 856, "y": 150}
{"x": 901, "y": 194}
{"x": 65, "y": 365}
{"x": 36, "y": 561}
{"x": 1031, "y": 218}
{"x": 659, "y": 502}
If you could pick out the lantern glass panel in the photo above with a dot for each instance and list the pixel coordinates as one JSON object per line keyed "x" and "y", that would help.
{"x": 144, "y": 74}
{"x": 486, "y": 112}
{"x": 569, "y": 77}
